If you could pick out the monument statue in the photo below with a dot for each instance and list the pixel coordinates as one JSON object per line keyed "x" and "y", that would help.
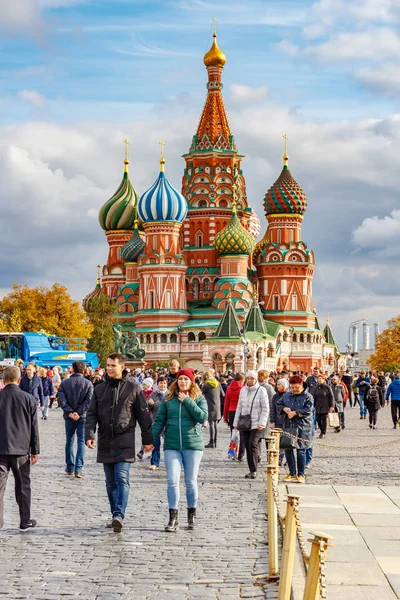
{"x": 128, "y": 346}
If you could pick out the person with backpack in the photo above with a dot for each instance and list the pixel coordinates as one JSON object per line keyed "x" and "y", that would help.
{"x": 373, "y": 401}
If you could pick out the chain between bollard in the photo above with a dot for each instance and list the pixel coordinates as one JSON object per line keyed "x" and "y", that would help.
{"x": 299, "y": 532}
{"x": 336, "y": 447}
{"x": 322, "y": 573}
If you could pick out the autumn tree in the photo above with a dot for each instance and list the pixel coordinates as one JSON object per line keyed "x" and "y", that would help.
{"x": 100, "y": 311}
{"x": 387, "y": 348}
{"x": 51, "y": 310}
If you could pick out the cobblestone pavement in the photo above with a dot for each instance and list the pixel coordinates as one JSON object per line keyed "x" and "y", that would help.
{"x": 70, "y": 553}
{"x": 378, "y": 466}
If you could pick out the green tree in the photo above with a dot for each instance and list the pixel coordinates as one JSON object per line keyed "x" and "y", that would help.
{"x": 387, "y": 348}
{"x": 51, "y": 310}
{"x": 100, "y": 311}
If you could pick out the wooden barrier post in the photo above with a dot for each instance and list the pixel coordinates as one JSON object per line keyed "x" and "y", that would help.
{"x": 289, "y": 544}
{"x": 272, "y": 512}
{"x": 317, "y": 557}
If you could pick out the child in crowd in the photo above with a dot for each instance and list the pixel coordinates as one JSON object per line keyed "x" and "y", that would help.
{"x": 154, "y": 402}
{"x": 373, "y": 400}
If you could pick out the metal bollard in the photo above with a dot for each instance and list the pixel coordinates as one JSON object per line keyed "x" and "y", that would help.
{"x": 289, "y": 544}
{"x": 272, "y": 512}
{"x": 312, "y": 589}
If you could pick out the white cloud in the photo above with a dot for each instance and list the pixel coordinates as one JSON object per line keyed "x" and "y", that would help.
{"x": 33, "y": 97}
{"x": 332, "y": 12}
{"x": 241, "y": 94}
{"x": 288, "y": 48}
{"x": 20, "y": 15}
{"x": 375, "y": 232}
{"x": 374, "y": 44}
{"x": 385, "y": 78}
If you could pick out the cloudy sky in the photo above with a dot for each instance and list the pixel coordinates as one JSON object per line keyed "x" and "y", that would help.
{"x": 78, "y": 76}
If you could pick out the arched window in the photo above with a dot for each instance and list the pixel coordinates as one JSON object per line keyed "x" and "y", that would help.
{"x": 148, "y": 339}
{"x": 302, "y": 338}
{"x": 141, "y": 339}
{"x": 203, "y": 203}
{"x": 191, "y": 337}
{"x": 199, "y": 240}
{"x": 187, "y": 285}
{"x": 206, "y": 285}
{"x": 294, "y": 302}
{"x": 295, "y": 337}
{"x": 163, "y": 338}
{"x": 154, "y": 339}
{"x": 308, "y": 339}
{"x": 202, "y": 336}
{"x": 173, "y": 338}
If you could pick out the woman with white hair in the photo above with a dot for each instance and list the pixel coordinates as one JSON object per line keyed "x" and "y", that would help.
{"x": 254, "y": 404}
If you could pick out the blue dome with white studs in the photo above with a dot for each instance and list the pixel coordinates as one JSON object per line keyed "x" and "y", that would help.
{"x": 162, "y": 202}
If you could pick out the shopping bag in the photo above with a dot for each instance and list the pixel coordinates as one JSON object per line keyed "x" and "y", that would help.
{"x": 333, "y": 419}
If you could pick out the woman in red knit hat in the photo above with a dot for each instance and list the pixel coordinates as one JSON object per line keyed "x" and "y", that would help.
{"x": 180, "y": 416}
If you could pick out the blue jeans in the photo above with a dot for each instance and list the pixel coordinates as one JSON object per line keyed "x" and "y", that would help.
{"x": 190, "y": 461}
{"x": 45, "y": 407}
{"x": 117, "y": 485}
{"x": 74, "y": 464}
{"x": 156, "y": 454}
{"x": 291, "y": 461}
{"x": 361, "y": 401}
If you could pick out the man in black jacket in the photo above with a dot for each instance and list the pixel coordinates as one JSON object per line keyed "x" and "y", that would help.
{"x": 32, "y": 384}
{"x": 74, "y": 397}
{"x": 116, "y": 406}
{"x": 19, "y": 443}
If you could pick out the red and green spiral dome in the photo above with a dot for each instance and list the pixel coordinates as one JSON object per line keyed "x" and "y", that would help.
{"x": 285, "y": 196}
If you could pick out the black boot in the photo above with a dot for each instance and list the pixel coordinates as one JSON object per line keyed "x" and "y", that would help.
{"x": 210, "y": 444}
{"x": 173, "y": 521}
{"x": 191, "y": 518}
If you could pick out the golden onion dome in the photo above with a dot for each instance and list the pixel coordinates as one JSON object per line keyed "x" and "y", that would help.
{"x": 234, "y": 238}
{"x": 214, "y": 57}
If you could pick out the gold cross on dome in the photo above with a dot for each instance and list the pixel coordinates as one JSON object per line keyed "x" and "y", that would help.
{"x": 126, "y": 142}
{"x": 285, "y": 137}
{"x": 215, "y": 25}
{"x": 162, "y": 144}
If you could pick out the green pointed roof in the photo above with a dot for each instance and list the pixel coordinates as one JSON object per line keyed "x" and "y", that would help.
{"x": 254, "y": 320}
{"x": 234, "y": 238}
{"x": 119, "y": 212}
{"x": 329, "y": 337}
{"x": 229, "y": 326}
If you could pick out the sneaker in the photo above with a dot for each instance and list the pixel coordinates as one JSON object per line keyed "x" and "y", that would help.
{"x": 343, "y": 426}
{"x": 29, "y": 525}
{"x": 117, "y": 524}
{"x": 253, "y": 475}
{"x": 153, "y": 468}
{"x": 109, "y": 525}
{"x": 69, "y": 472}
{"x": 370, "y": 426}
{"x": 79, "y": 475}
{"x": 301, "y": 479}
{"x": 290, "y": 478}
{"x": 308, "y": 466}
{"x": 247, "y": 476}
{"x": 373, "y": 426}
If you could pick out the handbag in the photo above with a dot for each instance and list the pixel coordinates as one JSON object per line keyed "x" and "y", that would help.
{"x": 286, "y": 442}
{"x": 333, "y": 419}
{"x": 244, "y": 421}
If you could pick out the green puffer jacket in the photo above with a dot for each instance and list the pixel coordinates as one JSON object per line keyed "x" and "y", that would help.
{"x": 181, "y": 423}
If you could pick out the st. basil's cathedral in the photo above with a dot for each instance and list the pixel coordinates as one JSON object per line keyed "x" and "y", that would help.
{"x": 186, "y": 273}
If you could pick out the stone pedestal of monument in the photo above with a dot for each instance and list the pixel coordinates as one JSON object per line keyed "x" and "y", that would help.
{"x": 138, "y": 363}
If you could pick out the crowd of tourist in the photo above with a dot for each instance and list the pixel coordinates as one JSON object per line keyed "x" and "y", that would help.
{"x": 101, "y": 409}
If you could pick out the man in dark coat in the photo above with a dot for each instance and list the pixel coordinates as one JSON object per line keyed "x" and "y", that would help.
{"x": 19, "y": 443}
{"x": 116, "y": 406}
{"x": 32, "y": 384}
{"x": 74, "y": 397}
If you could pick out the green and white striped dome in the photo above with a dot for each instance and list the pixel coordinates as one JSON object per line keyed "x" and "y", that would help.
{"x": 119, "y": 212}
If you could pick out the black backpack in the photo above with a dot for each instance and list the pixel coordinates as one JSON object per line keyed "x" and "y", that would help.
{"x": 373, "y": 395}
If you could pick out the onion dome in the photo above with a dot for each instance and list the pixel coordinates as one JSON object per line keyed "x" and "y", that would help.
{"x": 87, "y": 302}
{"x": 134, "y": 247}
{"x": 162, "y": 202}
{"x": 285, "y": 196}
{"x": 119, "y": 212}
{"x": 214, "y": 57}
{"x": 254, "y": 224}
{"x": 234, "y": 238}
